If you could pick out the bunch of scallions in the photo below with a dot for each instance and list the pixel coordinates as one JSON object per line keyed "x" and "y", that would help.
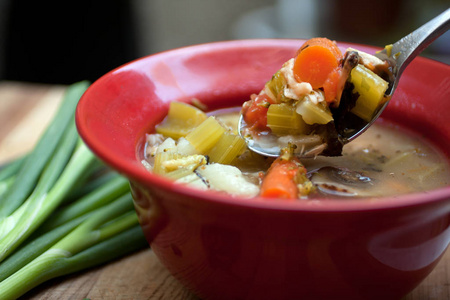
{"x": 61, "y": 209}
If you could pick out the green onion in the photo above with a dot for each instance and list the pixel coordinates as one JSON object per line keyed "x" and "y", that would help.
{"x": 115, "y": 186}
{"x": 75, "y": 214}
{"x": 36, "y": 161}
{"x": 63, "y": 221}
{"x": 8, "y": 174}
{"x": 45, "y": 197}
{"x": 87, "y": 245}
{"x": 94, "y": 181}
{"x": 9, "y": 170}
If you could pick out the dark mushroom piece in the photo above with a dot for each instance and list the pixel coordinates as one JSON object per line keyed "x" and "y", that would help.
{"x": 338, "y": 181}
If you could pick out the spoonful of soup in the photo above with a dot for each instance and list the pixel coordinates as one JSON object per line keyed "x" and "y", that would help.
{"x": 323, "y": 98}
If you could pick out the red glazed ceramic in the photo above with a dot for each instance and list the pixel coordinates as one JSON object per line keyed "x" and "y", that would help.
{"x": 229, "y": 248}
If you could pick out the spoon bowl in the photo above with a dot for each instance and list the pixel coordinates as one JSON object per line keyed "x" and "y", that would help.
{"x": 398, "y": 56}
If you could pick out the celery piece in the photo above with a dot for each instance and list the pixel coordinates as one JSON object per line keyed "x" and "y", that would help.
{"x": 282, "y": 119}
{"x": 228, "y": 147}
{"x": 41, "y": 154}
{"x": 181, "y": 119}
{"x": 206, "y": 135}
{"x": 371, "y": 89}
{"x": 182, "y": 172}
{"x": 166, "y": 151}
{"x": 184, "y": 161}
{"x": 314, "y": 113}
{"x": 160, "y": 158}
{"x": 175, "y": 165}
{"x": 276, "y": 87}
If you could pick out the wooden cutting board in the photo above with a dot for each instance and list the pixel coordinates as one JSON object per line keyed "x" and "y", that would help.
{"x": 25, "y": 110}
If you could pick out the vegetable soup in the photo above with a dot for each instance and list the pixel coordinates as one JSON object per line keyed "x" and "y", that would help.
{"x": 310, "y": 108}
{"x": 386, "y": 160}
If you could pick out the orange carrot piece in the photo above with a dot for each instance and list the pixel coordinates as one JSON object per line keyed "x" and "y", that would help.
{"x": 281, "y": 179}
{"x": 324, "y": 42}
{"x": 315, "y": 60}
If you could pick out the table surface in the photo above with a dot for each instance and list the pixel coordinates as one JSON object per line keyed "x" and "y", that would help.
{"x": 25, "y": 110}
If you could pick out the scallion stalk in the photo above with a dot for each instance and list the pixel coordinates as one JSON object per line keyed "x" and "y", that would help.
{"x": 38, "y": 207}
{"x": 64, "y": 221}
{"x": 75, "y": 214}
{"x": 11, "y": 168}
{"x": 105, "y": 223}
{"x": 36, "y": 161}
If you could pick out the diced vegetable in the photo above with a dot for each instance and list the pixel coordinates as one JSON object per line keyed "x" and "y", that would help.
{"x": 279, "y": 181}
{"x": 183, "y": 166}
{"x": 227, "y": 148}
{"x": 371, "y": 89}
{"x": 172, "y": 162}
{"x": 166, "y": 151}
{"x": 183, "y": 162}
{"x": 228, "y": 179}
{"x": 255, "y": 112}
{"x": 182, "y": 172}
{"x": 282, "y": 119}
{"x": 312, "y": 113}
{"x": 206, "y": 135}
{"x": 316, "y": 59}
{"x": 162, "y": 157}
{"x": 283, "y": 177}
{"x": 193, "y": 180}
{"x": 276, "y": 87}
{"x": 181, "y": 119}
{"x": 331, "y": 84}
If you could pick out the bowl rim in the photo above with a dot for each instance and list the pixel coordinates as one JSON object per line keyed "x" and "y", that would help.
{"x": 136, "y": 172}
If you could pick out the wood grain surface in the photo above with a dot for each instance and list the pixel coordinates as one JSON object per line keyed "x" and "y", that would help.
{"x": 25, "y": 110}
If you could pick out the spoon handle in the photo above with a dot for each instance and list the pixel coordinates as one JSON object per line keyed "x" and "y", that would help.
{"x": 406, "y": 49}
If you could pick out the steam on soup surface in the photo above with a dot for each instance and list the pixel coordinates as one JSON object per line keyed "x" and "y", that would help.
{"x": 384, "y": 161}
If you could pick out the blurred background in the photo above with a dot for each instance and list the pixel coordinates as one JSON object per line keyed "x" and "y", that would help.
{"x": 66, "y": 41}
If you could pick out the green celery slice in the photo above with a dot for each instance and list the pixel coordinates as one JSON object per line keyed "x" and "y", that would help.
{"x": 282, "y": 119}
{"x": 371, "y": 89}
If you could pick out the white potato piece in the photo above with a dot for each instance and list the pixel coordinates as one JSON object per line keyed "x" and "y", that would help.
{"x": 228, "y": 179}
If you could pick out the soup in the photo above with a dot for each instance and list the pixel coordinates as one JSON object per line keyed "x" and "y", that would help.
{"x": 386, "y": 160}
{"x": 313, "y": 105}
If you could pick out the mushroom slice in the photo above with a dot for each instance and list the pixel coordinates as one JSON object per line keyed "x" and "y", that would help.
{"x": 337, "y": 181}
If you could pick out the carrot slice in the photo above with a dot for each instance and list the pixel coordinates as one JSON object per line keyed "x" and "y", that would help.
{"x": 315, "y": 60}
{"x": 279, "y": 180}
{"x": 283, "y": 177}
{"x": 324, "y": 42}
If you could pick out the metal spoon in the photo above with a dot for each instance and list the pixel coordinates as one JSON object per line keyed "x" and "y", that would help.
{"x": 399, "y": 56}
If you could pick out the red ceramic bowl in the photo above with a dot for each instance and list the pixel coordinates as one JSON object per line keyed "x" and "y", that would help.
{"x": 228, "y": 248}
